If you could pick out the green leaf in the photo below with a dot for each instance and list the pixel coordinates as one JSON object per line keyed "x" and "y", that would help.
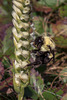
{"x": 20, "y": 95}
{"x": 3, "y": 12}
{"x": 7, "y": 4}
{"x": 37, "y": 83}
{"x": 63, "y": 11}
{"x": 38, "y": 24}
{"x": 60, "y": 92}
{"x": 29, "y": 92}
{"x": 8, "y": 47}
{"x": 51, "y": 3}
{"x": 61, "y": 41}
{"x": 50, "y": 95}
{"x": 6, "y": 62}
{"x": 63, "y": 75}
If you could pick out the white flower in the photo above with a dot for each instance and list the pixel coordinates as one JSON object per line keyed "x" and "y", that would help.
{"x": 27, "y": 2}
{"x": 25, "y": 53}
{"x": 17, "y": 75}
{"x": 16, "y": 35}
{"x": 20, "y": 34}
{"x": 18, "y": 4}
{"x": 17, "y": 44}
{"x": 24, "y": 77}
{"x": 25, "y": 44}
{"x": 17, "y": 65}
{"x": 15, "y": 16}
{"x": 20, "y": 64}
{"x": 17, "y": 10}
{"x": 17, "y": 79}
{"x": 23, "y": 25}
{"x": 24, "y": 17}
{"x": 25, "y": 34}
{"x": 21, "y": 0}
{"x": 20, "y": 22}
{"x": 18, "y": 52}
{"x": 15, "y": 23}
{"x": 21, "y": 77}
{"x": 23, "y": 63}
{"x": 21, "y": 43}
{"x": 26, "y": 10}
{"x": 22, "y": 72}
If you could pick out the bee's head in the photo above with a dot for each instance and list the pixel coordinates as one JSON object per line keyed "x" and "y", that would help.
{"x": 38, "y": 42}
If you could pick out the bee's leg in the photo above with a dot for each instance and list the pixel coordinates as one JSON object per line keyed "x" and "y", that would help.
{"x": 34, "y": 63}
{"x": 47, "y": 60}
{"x": 53, "y": 53}
{"x": 53, "y": 56}
{"x": 34, "y": 51}
{"x": 30, "y": 64}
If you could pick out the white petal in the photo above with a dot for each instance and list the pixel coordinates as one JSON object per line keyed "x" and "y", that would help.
{"x": 24, "y": 17}
{"x": 21, "y": 0}
{"x": 24, "y": 77}
{"x": 27, "y": 2}
{"x": 25, "y": 44}
{"x": 20, "y": 64}
{"x": 17, "y": 10}
{"x": 15, "y": 23}
{"x": 18, "y": 4}
{"x": 17, "y": 75}
{"x": 26, "y": 10}
{"x": 18, "y": 52}
{"x": 24, "y": 63}
{"x": 25, "y": 34}
{"x": 25, "y": 53}
{"x": 17, "y": 65}
{"x": 15, "y": 16}
{"x": 23, "y": 25}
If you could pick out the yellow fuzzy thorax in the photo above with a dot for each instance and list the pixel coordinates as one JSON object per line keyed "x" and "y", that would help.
{"x": 48, "y": 41}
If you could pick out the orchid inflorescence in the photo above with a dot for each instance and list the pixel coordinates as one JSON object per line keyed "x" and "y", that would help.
{"x": 21, "y": 37}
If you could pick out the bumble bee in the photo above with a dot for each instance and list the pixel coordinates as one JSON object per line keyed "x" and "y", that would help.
{"x": 44, "y": 52}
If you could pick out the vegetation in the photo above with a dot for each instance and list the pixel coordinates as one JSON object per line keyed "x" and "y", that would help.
{"x": 47, "y": 82}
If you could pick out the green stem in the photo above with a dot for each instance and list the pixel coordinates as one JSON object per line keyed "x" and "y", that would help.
{"x": 20, "y": 96}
